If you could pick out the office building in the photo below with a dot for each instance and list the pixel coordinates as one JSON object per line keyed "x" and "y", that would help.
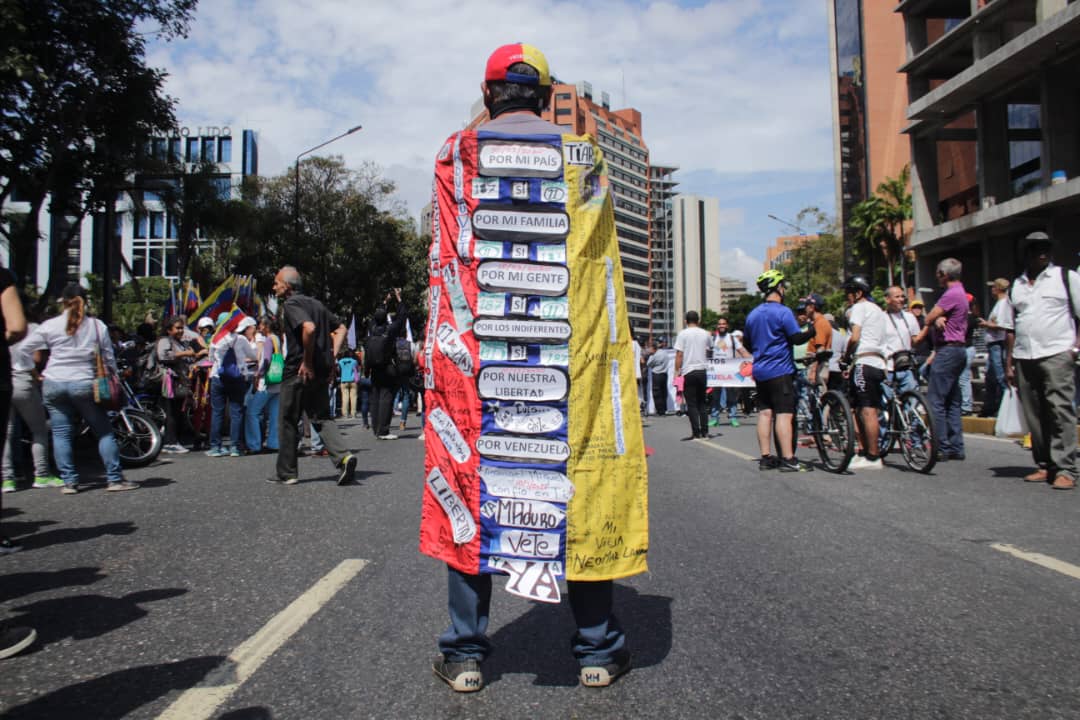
{"x": 695, "y": 232}
{"x": 780, "y": 252}
{"x": 144, "y": 244}
{"x": 994, "y": 126}
{"x": 661, "y": 191}
{"x": 867, "y": 45}
{"x": 731, "y": 289}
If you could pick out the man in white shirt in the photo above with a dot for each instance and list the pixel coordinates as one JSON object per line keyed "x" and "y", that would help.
{"x": 691, "y": 361}
{"x": 1046, "y": 301}
{"x": 726, "y": 345}
{"x": 900, "y": 333}
{"x": 866, "y": 347}
{"x": 997, "y": 327}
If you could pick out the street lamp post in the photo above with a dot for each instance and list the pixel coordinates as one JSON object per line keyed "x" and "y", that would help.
{"x": 296, "y": 190}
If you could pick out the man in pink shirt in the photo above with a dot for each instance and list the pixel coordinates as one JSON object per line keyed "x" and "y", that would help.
{"x": 947, "y": 322}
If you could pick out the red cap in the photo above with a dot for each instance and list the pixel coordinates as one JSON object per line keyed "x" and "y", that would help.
{"x": 498, "y": 65}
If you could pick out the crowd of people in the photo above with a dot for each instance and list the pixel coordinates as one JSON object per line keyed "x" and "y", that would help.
{"x": 892, "y": 345}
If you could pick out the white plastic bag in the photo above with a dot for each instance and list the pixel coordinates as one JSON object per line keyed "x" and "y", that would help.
{"x": 1010, "y": 417}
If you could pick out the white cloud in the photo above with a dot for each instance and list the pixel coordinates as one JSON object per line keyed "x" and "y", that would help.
{"x": 732, "y": 86}
{"x": 737, "y": 264}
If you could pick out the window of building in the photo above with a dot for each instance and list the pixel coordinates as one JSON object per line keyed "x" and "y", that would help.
{"x": 563, "y": 96}
{"x": 225, "y": 150}
{"x": 176, "y": 150}
{"x": 563, "y": 111}
{"x": 140, "y": 225}
{"x": 208, "y": 149}
{"x": 1025, "y": 155}
{"x": 151, "y": 196}
{"x": 192, "y": 154}
{"x": 223, "y": 184}
{"x": 157, "y": 224}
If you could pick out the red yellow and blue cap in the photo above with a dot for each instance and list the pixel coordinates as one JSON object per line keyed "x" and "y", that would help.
{"x": 498, "y": 65}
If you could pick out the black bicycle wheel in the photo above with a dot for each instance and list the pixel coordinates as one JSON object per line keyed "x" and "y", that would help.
{"x": 137, "y": 437}
{"x": 917, "y": 435}
{"x": 835, "y": 432}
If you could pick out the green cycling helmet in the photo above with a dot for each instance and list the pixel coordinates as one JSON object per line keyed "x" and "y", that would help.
{"x": 769, "y": 280}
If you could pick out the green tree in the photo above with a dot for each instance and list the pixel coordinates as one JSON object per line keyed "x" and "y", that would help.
{"x": 354, "y": 244}
{"x": 133, "y": 302}
{"x": 880, "y": 223}
{"x": 78, "y": 105}
{"x": 816, "y": 265}
{"x": 740, "y": 307}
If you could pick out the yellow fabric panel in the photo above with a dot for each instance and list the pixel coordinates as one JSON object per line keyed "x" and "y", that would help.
{"x": 607, "y": 520}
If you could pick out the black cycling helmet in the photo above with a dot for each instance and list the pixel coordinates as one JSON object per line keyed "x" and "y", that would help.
{"x": 857, "y": 282}
{"x": 814, "y": 299}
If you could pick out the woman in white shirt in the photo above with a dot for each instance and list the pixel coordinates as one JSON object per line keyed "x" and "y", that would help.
{"x": 72, "y": 339}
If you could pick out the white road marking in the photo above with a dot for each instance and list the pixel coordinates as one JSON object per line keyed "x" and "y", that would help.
{"x": 1039, "y": 559}
{"x": 199, "y": 703}
{"x": 727, "y": 450}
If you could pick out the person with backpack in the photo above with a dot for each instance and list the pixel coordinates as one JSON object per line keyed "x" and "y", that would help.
{"x": 229, "y": 376}
{"x": 347, "y": 376}
{"x": 265, "y": 390}
{"x": 313, "y": 338}
{"x": 1040, "y": 359}
{"x": 380, "y": 350}
{"x": 405, "y": 369}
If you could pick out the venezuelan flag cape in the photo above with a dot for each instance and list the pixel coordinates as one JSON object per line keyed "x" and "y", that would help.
{"x": 535, "y": 462}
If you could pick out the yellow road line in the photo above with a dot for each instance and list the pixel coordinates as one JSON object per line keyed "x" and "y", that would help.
{"x": 199, "y": 703}
{"x": 1039, "y": 559}
{"x": 727, "y": 450}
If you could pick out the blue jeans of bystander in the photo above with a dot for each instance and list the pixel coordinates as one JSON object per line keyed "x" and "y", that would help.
{"x": 67, "y": 402}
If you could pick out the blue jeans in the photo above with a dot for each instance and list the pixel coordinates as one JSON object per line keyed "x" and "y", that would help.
{"x": 966, "y": 401}
{"x": 995, "y": 378}
{"x": 944, "y": 397}
{"x": 257, "y": 404}
{"x": 597, "y": 640}
{"x": 403, "y": 398}
{"x": 220, "y": 394}
{"x": 67, "y": 402}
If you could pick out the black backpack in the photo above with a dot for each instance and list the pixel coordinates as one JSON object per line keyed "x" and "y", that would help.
{"x": 377, "y": 351}
{"x": 403, "y": 357}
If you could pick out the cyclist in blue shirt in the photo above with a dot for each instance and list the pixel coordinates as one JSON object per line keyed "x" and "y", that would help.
{"x": 771, "y": 332}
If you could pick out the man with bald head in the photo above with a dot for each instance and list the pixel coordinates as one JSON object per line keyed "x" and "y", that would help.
{"x": 313, "y": 337}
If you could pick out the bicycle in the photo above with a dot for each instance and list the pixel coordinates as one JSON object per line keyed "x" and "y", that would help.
{"x": 908, "y": 422}
{"x": 826, "y": 416}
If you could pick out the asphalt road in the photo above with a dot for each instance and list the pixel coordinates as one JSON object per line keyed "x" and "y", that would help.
{"x": 879, "y": 595}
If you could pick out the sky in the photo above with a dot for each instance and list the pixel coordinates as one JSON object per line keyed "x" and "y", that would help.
{"x": 733, "y": 92}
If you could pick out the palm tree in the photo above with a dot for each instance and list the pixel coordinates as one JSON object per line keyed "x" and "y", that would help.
{"x": 880, "y": 221}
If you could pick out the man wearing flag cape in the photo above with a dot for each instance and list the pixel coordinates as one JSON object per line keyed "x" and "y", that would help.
{"x": 535, "y": 462}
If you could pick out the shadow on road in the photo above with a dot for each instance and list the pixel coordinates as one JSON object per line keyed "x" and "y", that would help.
{"x": 256, "y": 712}
{"x": 18, "y": 528}
{"x": 116, "y": 694}
{"x": 76, "y": 534}
{"x": 87, "y": 616}
{"x": 1012, "y": 471}
{"x": 538, "y": 643}
{"x": 19, "y": 584}
{"x": 154, "y": 482}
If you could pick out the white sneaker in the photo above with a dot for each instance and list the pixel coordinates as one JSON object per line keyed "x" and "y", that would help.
{"x": 860, "y": 462}
{"x": 175, "y": 449}
{"x": 388, "y": 436}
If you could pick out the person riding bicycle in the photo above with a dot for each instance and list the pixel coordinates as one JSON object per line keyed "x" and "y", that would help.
{"x": 867, "y": 350}
{"x": 771, "y": 333}
{"x": 820, "y": 346}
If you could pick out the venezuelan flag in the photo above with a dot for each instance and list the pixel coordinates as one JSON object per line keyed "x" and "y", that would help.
{"x": 172, "y": 304}
{"x": 192, "y": 301}
{"x": 219, "y": 301}
{"x": 228, "y": 325}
